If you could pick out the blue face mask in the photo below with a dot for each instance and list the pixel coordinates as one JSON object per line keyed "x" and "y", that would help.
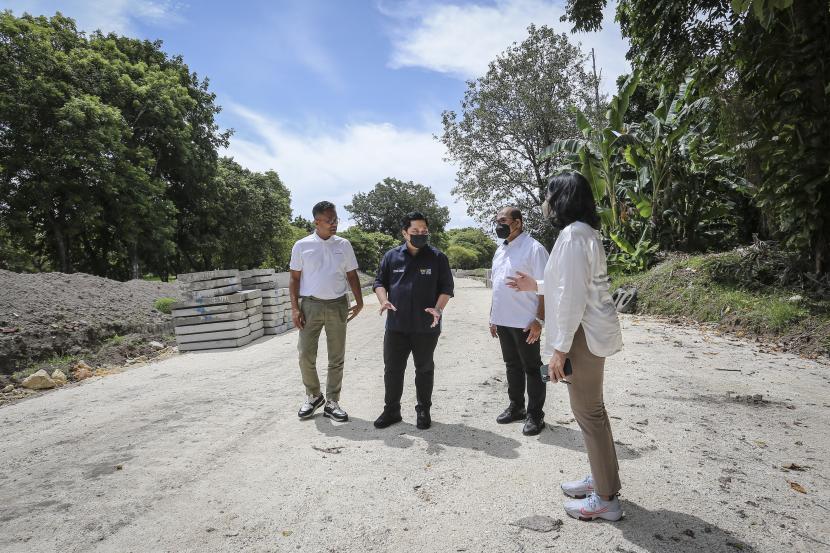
{"x": 419, "y": 240}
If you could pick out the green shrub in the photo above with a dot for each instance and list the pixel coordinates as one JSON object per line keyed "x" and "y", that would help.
{"x": 475, "y": 240}
{"x": 163, "y": 304}
{"x": 461, "y": 257}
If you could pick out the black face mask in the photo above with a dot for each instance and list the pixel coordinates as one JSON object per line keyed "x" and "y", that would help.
{"x": 503, "y": 230}
{"x": 419, "y": 240}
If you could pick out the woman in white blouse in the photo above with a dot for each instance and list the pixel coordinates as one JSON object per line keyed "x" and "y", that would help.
{"x": 582, "y": 326}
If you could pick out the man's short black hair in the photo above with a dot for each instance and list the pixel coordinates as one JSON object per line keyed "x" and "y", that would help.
{"x": 406, "y": 222}
{"x": 513, "y": 212}
{"x": 321, "y": 207}
{"x": 570, "y": 199}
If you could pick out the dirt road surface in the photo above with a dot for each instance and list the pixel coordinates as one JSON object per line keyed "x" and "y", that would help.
{"x": 204, "y": 452}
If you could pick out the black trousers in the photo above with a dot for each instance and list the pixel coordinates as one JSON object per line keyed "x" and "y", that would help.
{"x": 522, "y": 361}
{"x": 396, "y": 349}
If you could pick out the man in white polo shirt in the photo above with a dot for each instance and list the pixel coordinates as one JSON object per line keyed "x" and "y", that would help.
{"x": 323, "y": 268}
{"x": 517, "y": 318}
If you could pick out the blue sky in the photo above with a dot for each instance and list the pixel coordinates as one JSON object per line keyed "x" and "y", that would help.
{"x": 335, "y": 95}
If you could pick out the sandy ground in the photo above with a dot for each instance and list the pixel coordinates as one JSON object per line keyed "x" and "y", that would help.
{"x": 204, "y": 452}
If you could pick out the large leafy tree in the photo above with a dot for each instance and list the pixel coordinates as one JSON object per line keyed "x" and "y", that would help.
{"x": 108, "y": 149}
{"x": 509, "y": 116}
{"x": 253, "y": 214}
{"x": 382, "y": 208}
{"x": 768, "y": 60}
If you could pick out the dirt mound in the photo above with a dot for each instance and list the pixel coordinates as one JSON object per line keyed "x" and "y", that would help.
{"x": 44, "y": 315}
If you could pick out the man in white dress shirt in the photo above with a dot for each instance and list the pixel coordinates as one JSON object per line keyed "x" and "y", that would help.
{"x": 323, "y": 268}
{"x": 516, "y": 319}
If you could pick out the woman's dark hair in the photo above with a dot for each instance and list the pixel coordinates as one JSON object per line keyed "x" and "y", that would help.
{"x": 406, "y": 222}
{"x": 570, "y": 199}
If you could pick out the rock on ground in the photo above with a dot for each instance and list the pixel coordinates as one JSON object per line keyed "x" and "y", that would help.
{"x": 38, "y": 381}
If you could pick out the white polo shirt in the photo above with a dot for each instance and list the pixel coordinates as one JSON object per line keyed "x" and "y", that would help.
{"x": 511, "y": 308}
{"x": 324, "y": 264}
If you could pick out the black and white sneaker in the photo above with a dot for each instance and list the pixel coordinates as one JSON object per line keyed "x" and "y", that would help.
{"x": 310, "y": 406}
{"x": 333, "y": 411}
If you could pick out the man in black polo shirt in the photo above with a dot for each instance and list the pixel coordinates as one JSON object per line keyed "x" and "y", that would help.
{"x": 413, "y": 285}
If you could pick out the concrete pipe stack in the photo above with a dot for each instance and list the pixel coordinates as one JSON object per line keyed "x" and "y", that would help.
{"x": 276, "y": 305}
{"x": 218, "y": 312}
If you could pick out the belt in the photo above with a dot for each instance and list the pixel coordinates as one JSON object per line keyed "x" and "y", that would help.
{"x": 312, "y": 298}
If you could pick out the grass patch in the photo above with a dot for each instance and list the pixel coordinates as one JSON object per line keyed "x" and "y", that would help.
{"x": 163, "y": 305}
{"x": 156, "y": 278}
{"x": 115, "y": 340}
{"x": 49, "y": 365}
{"x": 692, "y": 288}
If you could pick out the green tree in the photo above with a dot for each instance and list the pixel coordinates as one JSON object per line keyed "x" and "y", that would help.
{"x": 254, "y": 214}
{"x": 107, "y": 149}
{"x": 509, "y": 116}
{"x": 382, "y": 208}
{"x": 303, "y": 223}
{"x": 461, "y": 257}
{"x": 475, "y": 240}
{"x": 369, "y": 247}
{"x": 767, "y": 59}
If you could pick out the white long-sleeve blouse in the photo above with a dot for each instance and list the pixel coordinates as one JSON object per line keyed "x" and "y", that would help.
{"x": 576, "y": 292}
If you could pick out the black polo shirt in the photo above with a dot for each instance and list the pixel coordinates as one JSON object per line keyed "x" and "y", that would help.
{"x": 414, "y": 284}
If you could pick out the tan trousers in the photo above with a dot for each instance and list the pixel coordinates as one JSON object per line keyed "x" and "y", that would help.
{"x": 330, "y": 315}
{"x": 589, "y": 410}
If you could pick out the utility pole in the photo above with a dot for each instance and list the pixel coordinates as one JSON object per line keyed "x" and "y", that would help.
{"x": 596, "y": 79}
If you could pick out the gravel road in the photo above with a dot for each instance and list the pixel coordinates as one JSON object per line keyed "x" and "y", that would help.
{"x": 204, "y": 452}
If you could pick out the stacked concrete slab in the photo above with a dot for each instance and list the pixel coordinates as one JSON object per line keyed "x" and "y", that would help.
{"x": 276, "y": 305}
{"x": 218, "y": 312}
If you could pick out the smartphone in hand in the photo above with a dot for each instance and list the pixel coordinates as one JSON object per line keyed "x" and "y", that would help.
{"x": 568, "y": 370}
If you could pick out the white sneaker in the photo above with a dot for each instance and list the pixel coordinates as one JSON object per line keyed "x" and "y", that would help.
{"x": 578, "y": 488}
{"x": 594, "y": 507}
{"x": 310, "y": 406}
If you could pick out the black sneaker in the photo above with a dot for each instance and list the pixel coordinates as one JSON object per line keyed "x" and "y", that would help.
{"x": 422, "y": 418}
{"x": 333, "y": 411}
{"x": 310, "y": 406}
{"x": 511, "y": 414}
{"x": 533, "y": 426}
{"x": 387, "y": 419}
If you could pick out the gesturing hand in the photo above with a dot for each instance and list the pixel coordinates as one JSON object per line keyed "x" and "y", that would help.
{"x": 436, "y": 316}
{"x": 522, "y": 282}
{"x": 386, "y": 305}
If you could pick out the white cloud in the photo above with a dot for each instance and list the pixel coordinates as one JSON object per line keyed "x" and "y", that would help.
{"x": 117, "y": 16}
{"x": 461, "y": 40}
{"x": 334, "y": 164}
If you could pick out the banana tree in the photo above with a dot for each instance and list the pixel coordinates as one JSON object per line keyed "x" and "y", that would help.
{"x": 598, "y": 154}
{"x": 652, "y": 152}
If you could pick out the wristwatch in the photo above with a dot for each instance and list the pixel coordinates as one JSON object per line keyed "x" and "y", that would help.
{"x": 541, "y": 322}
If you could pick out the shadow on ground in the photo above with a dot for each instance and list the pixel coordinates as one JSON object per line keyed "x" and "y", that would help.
{"x": 439, "y": 437}
{"x": 662, "y": 531}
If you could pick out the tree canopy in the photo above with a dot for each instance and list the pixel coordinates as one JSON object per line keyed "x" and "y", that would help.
{"x": 109, "y": 163}
{"x": 508, "y": 117}
{"x": 382, "y": 208}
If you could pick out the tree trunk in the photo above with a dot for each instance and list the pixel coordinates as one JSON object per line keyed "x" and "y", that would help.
{"x": 60, "y": 246}
{"x": 135, "y": 272}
